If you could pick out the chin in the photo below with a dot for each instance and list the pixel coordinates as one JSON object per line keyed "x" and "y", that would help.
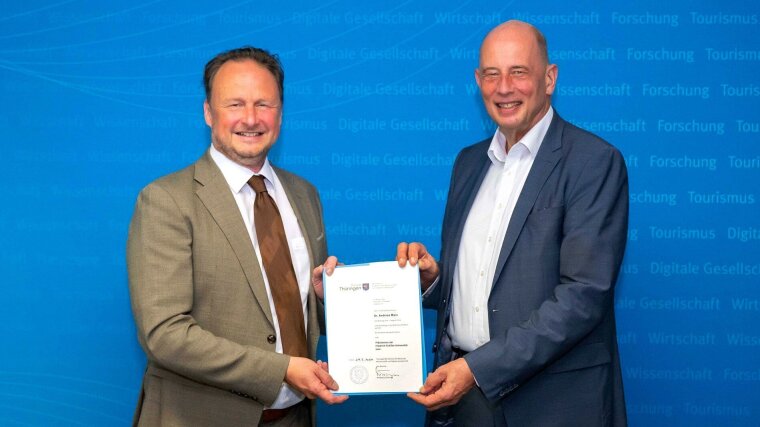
{"x": 509, "y": 125}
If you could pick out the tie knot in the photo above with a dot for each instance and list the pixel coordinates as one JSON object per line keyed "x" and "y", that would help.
{"x": 257, "y": 183}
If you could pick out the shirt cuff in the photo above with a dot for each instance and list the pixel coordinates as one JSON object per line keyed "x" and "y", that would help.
{"x": 431, "y": 287}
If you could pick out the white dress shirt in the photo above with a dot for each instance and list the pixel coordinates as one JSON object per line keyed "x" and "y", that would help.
{"x": 237, "y": 177}
{"x": 484, "y": 233}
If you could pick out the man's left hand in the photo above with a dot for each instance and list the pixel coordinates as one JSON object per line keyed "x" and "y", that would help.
{"x": 445, "y": 386}
{"x": 316, "y": 275}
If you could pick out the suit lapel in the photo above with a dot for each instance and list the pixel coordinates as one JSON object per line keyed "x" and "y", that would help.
{"x": 301, "y": 208}
{"x": 546, "y": 159}
{"x": 468, "y": 190}
{"x": 214, "y": 193}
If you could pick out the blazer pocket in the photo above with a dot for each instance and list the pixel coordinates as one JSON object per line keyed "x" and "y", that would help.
{"x": 585, "y": 356}
{"x": 548, "y": 210}
{"x": 547, "y": 220}
{"x": 298, "y": 243}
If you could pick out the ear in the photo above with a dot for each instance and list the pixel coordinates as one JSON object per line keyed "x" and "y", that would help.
{"x": 551, "y": 78}
{"x": 207, "y": 113}
{"x": 477, "y": 76}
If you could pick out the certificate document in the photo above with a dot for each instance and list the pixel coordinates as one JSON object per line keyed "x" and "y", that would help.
{"x": 374, "y": 328}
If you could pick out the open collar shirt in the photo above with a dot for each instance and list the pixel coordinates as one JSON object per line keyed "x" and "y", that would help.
{"x": 484, "y": 232}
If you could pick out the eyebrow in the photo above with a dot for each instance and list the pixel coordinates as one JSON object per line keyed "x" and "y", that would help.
{"x": 514, "y": 67}
{"x": 241, "y": 99}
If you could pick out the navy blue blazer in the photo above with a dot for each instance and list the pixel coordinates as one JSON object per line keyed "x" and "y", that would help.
{"x": 552, "y": 358}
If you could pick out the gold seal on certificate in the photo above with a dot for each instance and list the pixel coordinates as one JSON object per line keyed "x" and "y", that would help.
{"x": 374, "y": 328}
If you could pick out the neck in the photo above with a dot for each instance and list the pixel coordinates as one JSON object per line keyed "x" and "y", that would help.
{"x": 513, "y": 136}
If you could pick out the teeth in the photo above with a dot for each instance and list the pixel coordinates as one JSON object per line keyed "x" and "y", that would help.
{"x": 508, "y": 104}
{"x": 250, "y": 133}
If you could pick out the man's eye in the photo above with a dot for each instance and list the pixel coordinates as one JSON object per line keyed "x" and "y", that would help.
{"x": 267, "y": 106}
{"x": 491, "y": 76}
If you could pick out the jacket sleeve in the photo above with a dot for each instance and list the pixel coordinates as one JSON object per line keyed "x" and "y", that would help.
{"x": 161, "y": 284}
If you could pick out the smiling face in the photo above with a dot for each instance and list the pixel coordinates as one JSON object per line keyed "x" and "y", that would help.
{"x": 515, "y": 80}
{"x": 244, "y": 112}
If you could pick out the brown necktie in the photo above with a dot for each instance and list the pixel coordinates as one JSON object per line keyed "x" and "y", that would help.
{"x": 278, "y": 266}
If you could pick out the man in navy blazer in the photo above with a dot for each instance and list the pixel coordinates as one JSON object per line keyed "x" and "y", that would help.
{"x": 533, "y": 237}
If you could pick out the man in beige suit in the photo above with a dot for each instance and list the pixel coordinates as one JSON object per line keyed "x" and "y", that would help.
{"x": 202, "y": 295}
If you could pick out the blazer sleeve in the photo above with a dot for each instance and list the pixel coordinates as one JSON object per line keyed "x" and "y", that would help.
{"x": 161, "y": 283}
{"x": 591, "y": 250}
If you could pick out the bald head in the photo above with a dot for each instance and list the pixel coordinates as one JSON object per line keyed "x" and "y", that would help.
{"x": 515, "y": 78}
{"x": 515, "y": 29}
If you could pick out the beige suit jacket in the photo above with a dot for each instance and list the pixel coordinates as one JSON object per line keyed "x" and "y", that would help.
{"x": 200, "y": 304}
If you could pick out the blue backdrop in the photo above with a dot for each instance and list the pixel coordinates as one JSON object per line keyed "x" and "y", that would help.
{"x": 98, "y": 100}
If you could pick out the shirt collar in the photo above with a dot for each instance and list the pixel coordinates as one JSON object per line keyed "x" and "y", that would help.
{"x": 532, "y": 140}
{"x": 237, "y": 175}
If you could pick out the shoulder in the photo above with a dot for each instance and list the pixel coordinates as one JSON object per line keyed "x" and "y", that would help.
{"x": 472, "y": 154}
{"x": 174, "y": 181}
{"x": 477, "y": 149}
{"x": 177, "y": 185}
{"x": 580, "y": 144}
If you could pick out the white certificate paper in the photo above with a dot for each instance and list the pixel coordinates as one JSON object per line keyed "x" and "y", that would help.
{"x": 374, "y": 328}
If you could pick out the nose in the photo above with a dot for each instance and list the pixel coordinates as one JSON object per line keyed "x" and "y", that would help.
{"x": 249, "y": 117}
{"x": 505, "y": 84}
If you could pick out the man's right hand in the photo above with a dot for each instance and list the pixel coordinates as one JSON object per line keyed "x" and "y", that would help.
{"x": 312, "y": 380}
{"x": 316, "y": 275}
{"x": 417, "y": 254}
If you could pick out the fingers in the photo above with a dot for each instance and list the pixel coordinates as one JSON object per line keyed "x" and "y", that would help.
{"x": 317, "y": 272}
{"x": 443, "y": 396}
{"x": 411, "y": 252}
{"x": 418, "y": 398}
{"x": 401, "y": 254}
{"x": 327, "y": 383}
{"x": 417, "y": 251}
{"x": 329, "y": 265}
{"x": 326, "y": 379}
{"x": 430, "y": 394}
{"x": 434, "y": 401}
{"x": 330, "y": 398}
{"x": 316, "y": 275}
{"x": 427, "y": 262}
{"x": 312, "y": 379}
{"x": 445, "y": 386}
{"x": 433, "y": 382}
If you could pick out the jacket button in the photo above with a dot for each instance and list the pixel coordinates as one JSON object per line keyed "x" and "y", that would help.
{"x": 435, "y": 348}
{"x": 271, "y": 339}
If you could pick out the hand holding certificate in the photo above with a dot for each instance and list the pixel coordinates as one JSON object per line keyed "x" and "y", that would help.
{"x": 374, "y": 328}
